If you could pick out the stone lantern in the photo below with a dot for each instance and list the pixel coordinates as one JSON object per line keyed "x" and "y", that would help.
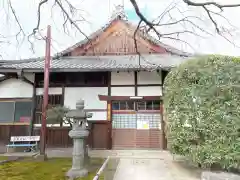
{"x": 79, "y": 133}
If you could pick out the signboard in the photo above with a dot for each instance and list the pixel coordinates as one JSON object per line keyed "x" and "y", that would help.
{"x": 143, "y": 124}
{"x": 25, "y": 119}
{"x": 25, "y": 138}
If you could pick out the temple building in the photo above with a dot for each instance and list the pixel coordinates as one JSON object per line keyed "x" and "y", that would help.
{"x": 117, "y": 84}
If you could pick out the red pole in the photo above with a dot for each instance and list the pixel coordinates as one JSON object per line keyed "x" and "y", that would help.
{"x": 45, "y": 96}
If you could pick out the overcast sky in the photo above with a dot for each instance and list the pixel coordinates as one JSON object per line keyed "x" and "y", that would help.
{"x": 98, "y": 14}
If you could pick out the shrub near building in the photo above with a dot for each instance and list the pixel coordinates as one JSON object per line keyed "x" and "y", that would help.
{"x": 202, "y": 106}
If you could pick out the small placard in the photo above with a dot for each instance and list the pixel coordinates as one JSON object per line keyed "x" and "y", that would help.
{"x": 142, "y": 125}
{"x": 24, "y": 119}
{"x": 25, "y": 138}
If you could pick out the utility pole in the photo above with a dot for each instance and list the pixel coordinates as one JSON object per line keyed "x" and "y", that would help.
{"x": 45, "y": 96}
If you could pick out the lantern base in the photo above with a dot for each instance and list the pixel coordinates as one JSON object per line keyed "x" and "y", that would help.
{"x": 77, "y": 173}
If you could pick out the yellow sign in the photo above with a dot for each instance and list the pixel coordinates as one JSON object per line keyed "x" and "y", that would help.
{"x": 145, "y": 126}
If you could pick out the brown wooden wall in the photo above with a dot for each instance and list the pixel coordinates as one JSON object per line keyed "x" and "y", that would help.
{"x": 99, "y": 136}
{"x": 56, "y": 137}
{"x": 6, "y": 131}
{"x": 135, "y": 138}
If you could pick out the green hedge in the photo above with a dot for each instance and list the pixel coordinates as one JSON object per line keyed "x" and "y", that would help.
{"x": 202, "y": 106}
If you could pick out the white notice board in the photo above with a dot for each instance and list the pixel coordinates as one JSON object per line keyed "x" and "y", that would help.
{"x": 143, "y": 124}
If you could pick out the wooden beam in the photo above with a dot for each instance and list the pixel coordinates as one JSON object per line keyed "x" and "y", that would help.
{"x": 33, "y": 113}
{"x": 62, "y": 100}
{"x": 126, "y": 98}
{"x": 135, "y": 83}
{"x": 15, "y": 123}
{"x": 163, "y": 124}
{"x": 109, "y": 83}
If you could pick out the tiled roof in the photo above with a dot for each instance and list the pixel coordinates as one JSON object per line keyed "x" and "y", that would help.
{"x": 101, "y": 63}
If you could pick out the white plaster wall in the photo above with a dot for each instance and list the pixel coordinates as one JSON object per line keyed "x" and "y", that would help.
{"x": 145, "y": 77}
{"x": 122, "y": 91}
{"x": 90, "y": 96}
{"x": 150, "y": 91}
{"x": 98, "y": 116}
{"x": 29, "y": 76}
{"x": 15, "y": 88}
{"x": 122, "y": 78}
{"x": 40, "y": 91}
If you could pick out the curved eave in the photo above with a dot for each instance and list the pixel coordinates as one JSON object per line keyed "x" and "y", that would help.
{"x": 95, "y": 70}
{"x": 12, "y": 70}
{"x": 9, "y": 70}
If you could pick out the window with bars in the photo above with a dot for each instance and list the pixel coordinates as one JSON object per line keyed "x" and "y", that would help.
{"x": 123, "y": 105}
{"x": 53, "y": 100}
{"x": 148, "y": 105}
{"x": 138, "y": 105}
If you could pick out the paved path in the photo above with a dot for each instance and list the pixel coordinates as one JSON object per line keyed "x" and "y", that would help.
{"x": 153, "y": 165}
{"x": 142, "y": 169}
{"x": 151, "y": 169}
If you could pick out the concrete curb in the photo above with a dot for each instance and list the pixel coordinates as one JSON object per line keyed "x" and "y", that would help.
{"x": 10, "y": 159}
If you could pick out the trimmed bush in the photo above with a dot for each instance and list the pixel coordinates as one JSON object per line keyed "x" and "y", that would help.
{"x": 202, "y": 106}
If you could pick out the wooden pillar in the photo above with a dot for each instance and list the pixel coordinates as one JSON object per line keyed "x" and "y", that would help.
{"x": 33, "y": 113}
{"x": 109, "y": 113}
{"x": 163, "y": 124}
{"x": 135, "y": 84}
{"x": 62, "y": 101}
{"x": 109, "y": 103}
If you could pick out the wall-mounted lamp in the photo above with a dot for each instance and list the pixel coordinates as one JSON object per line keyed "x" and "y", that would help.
{"x": 136, "y": 97}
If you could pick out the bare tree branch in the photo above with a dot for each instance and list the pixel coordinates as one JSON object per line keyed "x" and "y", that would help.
{"x": 71, "y": 18}
{"x": 142, "y": 17}
{"x": 38, "y": 24}
{"x": 152, "y": 26}
{"x": 179, "y": 40}
{"x": 180, "y": 32}
{"x": 205, "y": 5}
{"x": 135, "y": 42}
{"x": 39, "y": 16}
{"x": 220, "y": 6}
{"x": 72, "y": 22}
{"x": 16, "y": 19}
{"x": 161, "y": 16}
{"x": 210, "y": 17}
{"x": 186, "y": 20}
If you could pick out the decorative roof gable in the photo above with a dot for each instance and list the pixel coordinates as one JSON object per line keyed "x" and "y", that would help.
{"x": 116, "y": 38}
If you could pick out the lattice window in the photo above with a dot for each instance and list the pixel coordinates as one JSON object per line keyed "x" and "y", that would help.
{"x": 155, "y": 121}
{"x": 148, "y": 105}
{"x": 123, "y": 105}
{"x": 53, "y": 100}
{"x": 123, "y": 121}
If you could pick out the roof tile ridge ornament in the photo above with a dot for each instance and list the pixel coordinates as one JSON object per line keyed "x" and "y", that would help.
{"x": 118, "y": 13}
